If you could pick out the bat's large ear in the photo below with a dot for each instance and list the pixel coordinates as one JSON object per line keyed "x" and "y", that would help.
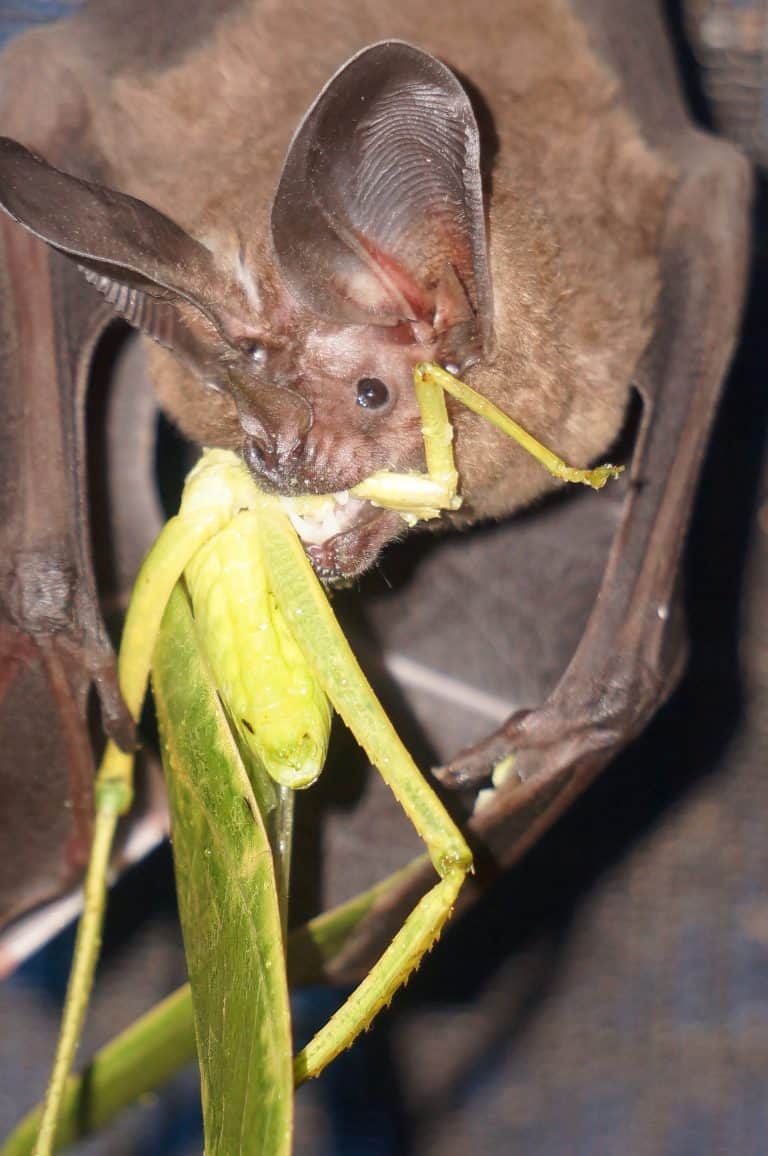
{"x": 378, "y": 216}
{"x": 139, "y": 258}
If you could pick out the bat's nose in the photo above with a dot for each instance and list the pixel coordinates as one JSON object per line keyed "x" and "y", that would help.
{"x": 275, "y": 431}
{"x": 274, "y": 463}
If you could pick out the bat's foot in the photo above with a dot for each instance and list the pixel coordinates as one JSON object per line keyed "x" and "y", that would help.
{"x": 585, "y": 722}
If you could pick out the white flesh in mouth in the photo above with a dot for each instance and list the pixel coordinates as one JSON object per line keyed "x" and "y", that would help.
{"x": 317, "y": 518}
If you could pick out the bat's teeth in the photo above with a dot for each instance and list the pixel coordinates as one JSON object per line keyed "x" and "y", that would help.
{"x": 318, "y": 519}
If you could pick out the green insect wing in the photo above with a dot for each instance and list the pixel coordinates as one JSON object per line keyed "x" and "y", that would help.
{"x": 271, "y": 695}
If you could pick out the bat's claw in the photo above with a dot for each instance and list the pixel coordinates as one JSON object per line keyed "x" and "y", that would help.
{"x": 116, "y": 717}
{"x": 88, "y": 661}
{"x": 579, "y": 728}
{"x": 474, "y": 767}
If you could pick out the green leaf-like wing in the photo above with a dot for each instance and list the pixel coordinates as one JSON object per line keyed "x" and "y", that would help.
{"x": 229, "y": 907}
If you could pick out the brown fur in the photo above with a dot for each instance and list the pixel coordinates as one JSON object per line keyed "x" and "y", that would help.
{"x": 575, "y": 199}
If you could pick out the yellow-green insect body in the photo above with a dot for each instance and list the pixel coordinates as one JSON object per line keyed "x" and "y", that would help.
{"x": 276, "y": 651}
{"x": 274, "y": 700}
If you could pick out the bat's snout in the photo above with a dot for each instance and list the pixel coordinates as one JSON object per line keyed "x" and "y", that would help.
{"x": 275, "y": 428}
{"x": 275, "y": 463}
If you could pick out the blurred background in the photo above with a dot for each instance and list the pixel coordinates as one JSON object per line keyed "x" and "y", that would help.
{"x": 610, "y": 993}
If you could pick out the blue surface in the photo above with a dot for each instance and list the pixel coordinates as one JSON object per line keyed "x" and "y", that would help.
{"x": 15, "y": 18}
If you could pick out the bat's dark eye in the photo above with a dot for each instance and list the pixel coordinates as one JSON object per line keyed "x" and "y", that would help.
{"x": 372, "y": 393}
{"x": 253, "y": 350}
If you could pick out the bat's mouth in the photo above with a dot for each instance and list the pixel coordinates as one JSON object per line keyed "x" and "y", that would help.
{"x": 319, "y": 518}
{"x": 342, "y": 535}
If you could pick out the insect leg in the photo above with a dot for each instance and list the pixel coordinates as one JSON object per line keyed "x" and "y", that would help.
{"x": 474, "y": 401}
{"x": 305, "y": 606}
{"x": 419, "y": 497}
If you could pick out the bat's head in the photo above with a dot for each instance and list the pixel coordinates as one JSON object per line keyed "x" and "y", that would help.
{"x": 374, "y": 259}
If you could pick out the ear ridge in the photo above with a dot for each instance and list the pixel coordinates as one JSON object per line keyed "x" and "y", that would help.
{"x": 381, "y": 191}
{"x": 155, "y": 318}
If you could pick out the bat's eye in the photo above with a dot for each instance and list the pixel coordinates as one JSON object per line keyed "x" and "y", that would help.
{"x": 253, "y": 350}
{"x": 372, "y": 393}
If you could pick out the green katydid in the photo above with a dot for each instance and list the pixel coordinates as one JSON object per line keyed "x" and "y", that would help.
{"x": 224, "y": 516}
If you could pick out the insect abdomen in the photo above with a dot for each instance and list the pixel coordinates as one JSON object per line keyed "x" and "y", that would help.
{"x": 269, "y": 691}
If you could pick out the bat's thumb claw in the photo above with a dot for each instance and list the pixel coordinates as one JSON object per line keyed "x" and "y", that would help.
{"x": 474, "y": 766}
{"x": 118, "y": 724}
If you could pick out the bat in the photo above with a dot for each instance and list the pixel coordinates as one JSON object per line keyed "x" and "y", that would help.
{"x": 517, "y": 194}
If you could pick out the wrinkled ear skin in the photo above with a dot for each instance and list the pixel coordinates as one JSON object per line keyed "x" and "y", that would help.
{"x": 378, "y": 216}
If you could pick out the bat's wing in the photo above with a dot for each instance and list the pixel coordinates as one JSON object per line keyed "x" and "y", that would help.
{"x": 632, "y": 649}
{"x": 733, "y": 63}
{"x": 53, "y": 646}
